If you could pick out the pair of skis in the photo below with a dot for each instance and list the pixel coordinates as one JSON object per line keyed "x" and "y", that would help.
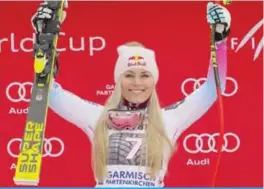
{"x": 30, "y": 157}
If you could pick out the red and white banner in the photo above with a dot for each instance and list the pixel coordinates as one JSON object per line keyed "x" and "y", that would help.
{"x": 180, "y": 36}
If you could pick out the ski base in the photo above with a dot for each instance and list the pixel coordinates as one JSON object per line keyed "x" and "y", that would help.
{"x": 30, "y": 157}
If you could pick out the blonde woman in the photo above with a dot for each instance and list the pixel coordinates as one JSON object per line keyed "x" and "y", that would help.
{"x": 133, "y": 138}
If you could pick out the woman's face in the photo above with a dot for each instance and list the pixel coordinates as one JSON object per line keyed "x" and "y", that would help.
{"x": 137, "y": 85}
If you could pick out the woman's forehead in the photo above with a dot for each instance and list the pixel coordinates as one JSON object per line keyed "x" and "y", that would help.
{"x": 137, "y": 70}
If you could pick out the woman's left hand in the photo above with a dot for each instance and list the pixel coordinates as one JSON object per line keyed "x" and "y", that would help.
{"x": 219, "y": 15}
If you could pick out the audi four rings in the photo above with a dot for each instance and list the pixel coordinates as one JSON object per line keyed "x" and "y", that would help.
{"x": 206, "y": 143}
{"x": 198, "y": 82}
{"x": 47, "y": 152}
{"x": 21, "y": 91}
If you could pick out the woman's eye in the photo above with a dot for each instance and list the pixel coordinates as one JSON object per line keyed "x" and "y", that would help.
{"x": 145, "y": 75}
{"x": 129, "y": 75}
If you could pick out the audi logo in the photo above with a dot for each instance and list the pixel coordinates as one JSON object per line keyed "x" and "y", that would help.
{"x": 47, "y": 151}
{"x": 21, "y": 91}
{"x": 206, "y": 143}
{"x": 198, "y": 82}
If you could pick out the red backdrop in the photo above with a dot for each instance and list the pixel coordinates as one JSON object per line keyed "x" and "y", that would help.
{"x": 179, "y": 34}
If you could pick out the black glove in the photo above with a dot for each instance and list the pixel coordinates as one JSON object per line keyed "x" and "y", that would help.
{"x": 43, "y": 15}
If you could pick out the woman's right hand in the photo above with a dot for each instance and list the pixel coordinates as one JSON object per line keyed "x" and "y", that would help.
{"x": 44, "y": 14}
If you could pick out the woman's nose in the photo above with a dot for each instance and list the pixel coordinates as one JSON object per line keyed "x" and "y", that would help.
{"x": 137, "y": 80}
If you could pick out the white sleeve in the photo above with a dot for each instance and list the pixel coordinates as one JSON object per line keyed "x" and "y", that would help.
{"x": 180, "y": 116}
{"x": 72, "y": 108}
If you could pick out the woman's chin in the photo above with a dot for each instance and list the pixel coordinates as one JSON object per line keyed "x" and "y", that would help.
{"x": 137, "y": 101}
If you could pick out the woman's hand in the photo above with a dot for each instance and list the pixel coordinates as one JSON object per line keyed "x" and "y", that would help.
{"x": 219, "y": 15}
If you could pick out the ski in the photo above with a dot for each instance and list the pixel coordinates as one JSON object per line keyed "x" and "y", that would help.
{"x": 45, "y": 58}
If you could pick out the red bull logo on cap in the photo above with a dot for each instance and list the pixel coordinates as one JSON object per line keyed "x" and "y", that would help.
{"x": 136, "y": 61}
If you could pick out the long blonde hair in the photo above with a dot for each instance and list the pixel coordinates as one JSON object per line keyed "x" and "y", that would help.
{"x": 156, "y": 138}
